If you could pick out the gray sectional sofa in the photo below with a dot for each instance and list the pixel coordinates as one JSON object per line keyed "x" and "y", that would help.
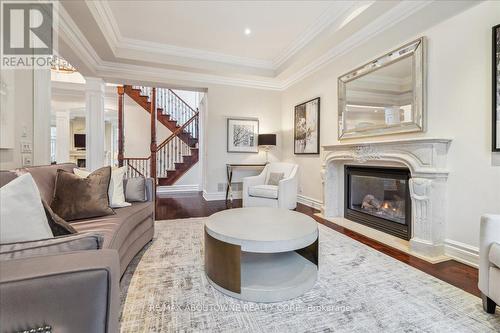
{"x": 69, "y": 290}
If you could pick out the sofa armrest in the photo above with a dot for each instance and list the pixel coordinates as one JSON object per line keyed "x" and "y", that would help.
{"x": 488, "y": 235}
{"x": 71, "y": 292}
{"x": 150, "y": 189}
{"x": 287, "y": 192}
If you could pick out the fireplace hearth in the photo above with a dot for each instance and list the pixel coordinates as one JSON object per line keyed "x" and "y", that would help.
{"x": 379, "y": 198}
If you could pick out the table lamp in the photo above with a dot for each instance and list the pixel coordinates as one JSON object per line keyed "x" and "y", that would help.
{"x": 267, "y": 141}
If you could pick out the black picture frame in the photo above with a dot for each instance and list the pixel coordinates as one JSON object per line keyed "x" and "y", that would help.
{"x": 300, "y": 108}
{"x": 495, "y": 93}
{"x": 244, "y": 150}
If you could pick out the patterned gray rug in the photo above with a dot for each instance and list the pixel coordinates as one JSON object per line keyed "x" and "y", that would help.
{"x": 358, "y": 290}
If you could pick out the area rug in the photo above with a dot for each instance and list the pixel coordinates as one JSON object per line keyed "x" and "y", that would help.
{"x": 358, "y": 290}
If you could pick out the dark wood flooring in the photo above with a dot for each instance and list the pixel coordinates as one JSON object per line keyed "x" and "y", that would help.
{"x": 188, "y": 205}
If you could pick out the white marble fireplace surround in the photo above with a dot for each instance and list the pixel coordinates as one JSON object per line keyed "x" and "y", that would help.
{"x": 426, "y": 160}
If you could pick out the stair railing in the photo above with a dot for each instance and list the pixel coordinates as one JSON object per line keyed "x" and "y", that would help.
{"x": 170, "y": 104}
{"x": 138, "y": 166}
{"x": 172, "y": 150}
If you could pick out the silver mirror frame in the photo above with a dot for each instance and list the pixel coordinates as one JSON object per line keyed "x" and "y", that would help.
{"x": 414, "y": 49}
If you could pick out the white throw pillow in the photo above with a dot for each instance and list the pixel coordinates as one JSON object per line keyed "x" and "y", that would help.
{"x": 116, "y": 193}
{"x": 22, "y": 217}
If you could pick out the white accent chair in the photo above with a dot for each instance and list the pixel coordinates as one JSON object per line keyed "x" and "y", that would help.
{"x": 489, "y": 261}
{"x": 257, "y": 192}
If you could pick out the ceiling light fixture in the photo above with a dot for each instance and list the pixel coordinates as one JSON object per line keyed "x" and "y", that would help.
{"x": 61, "y": 65}
{"x": 247, "y": 31}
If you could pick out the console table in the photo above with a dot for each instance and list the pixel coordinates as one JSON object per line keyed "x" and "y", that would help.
{"x": 229, "y": 173}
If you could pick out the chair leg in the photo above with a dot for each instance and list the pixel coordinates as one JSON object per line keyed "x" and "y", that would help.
{"x": 488, "y": 305}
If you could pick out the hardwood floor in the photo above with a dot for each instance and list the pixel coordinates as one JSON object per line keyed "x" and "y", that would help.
{"x": 188, "y": 205}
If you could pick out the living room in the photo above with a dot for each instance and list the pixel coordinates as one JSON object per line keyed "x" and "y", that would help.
{"x": 297, "y": 166}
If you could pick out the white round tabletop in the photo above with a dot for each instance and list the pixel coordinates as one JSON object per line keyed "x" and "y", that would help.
{"x": 263, "y": 229}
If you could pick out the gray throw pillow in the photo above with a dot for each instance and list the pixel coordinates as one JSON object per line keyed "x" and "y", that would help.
{"x": 69, "y": 243}
{"x": 275, "y": 177}
{"x": 79, "y": 198}
{"x": 135, "y": 189}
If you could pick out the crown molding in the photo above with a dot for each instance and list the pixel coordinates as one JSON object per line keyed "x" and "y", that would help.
{"x": 333, "y": 15}
{"x": 379, "y": 25}
{"x": 71, "y": 34}
{"x": 106, "y": 21}
{"x": 145, "y": 73}
{"x": 118, "y": 43}
{"x": 102, "y": 68}
{"x": 78, "y": 42}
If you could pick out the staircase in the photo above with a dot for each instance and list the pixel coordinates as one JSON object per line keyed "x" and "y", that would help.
{"x": 179, "y": 152}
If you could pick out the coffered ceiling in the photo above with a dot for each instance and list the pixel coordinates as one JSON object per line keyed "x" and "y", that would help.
{"x": 205, "y": 41}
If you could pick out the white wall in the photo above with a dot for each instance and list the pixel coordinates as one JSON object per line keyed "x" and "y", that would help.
{"x": 137, "y": 130}
{"x": 459, "y": 107}
{"x": 18, "y": 110}
{"x": 227, "y": 101}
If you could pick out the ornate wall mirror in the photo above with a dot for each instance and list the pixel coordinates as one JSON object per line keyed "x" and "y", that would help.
{"x": 385, "y": 96}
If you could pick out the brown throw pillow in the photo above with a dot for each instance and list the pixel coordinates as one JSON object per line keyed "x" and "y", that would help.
{"x": 79, "y": 198}
{"x": 58, "y": 226}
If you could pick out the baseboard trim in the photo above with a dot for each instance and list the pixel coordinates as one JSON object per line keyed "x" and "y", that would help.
{"x": 214, "y": 196}
{"x": 464, "y": 253}
{"x": 177, "y": 189}
{"x": 310, "y": 202}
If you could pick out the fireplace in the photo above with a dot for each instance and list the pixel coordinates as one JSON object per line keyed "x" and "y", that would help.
{"x": 379, "y": 198}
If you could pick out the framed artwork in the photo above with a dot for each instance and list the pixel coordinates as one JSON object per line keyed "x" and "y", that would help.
{"x": 306, "y": 128}
{"x": 242, "y": 135}
{"x": 496, "y": 88}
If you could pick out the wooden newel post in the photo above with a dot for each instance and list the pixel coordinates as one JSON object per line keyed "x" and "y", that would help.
{"x": 121, "y": 137}
{"x": 153, "y": 134}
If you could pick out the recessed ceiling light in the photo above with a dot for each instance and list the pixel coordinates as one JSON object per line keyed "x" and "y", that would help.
{"x": 247, "y": 31}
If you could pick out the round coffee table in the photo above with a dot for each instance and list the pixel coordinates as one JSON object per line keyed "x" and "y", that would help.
{"x": 261, "y": 254}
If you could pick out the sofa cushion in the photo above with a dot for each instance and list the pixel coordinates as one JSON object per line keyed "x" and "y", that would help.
{"x": 274, "y": 178}
{"x": 264, "y": 191}
{"x": 80, "y": 198}
{"x": 494, "y": 255}
{"x": 116, "y": 193}
{"x": 76, "y": 242}
{"x": 276, "y": 167}
{"x": 45, "y": 178}
{"x": 135, "y": 189}
{"x": 22, "y": 217}
{"x": 116, "y": 228}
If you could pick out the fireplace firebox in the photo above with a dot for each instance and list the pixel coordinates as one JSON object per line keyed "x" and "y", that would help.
{"x": 379, "y": 198}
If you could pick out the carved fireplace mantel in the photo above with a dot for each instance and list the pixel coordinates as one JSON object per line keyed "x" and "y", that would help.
{"x": 426, "y": 160}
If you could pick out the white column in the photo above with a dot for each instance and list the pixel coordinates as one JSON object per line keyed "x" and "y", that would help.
{"x": 41, "y": 116}
{"x": 94, "y": 122}
{"x": 63, "y": 145}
